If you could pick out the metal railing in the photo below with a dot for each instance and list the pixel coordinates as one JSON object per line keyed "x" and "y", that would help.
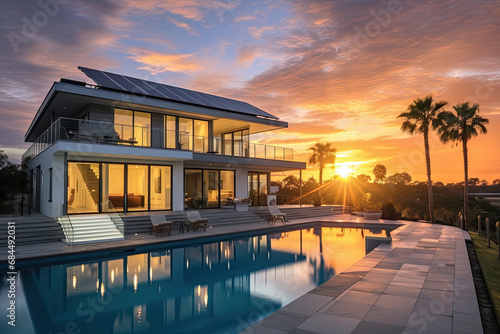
{"x": 118, "y": 134}
{"x": 109, "y": 208}
{"x": 67, "y": 227}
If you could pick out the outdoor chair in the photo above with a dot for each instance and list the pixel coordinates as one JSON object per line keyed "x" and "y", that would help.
{"x": 194, "y": 220}
{"x": 160, "y": 224}
{"x": 275, "y": 213}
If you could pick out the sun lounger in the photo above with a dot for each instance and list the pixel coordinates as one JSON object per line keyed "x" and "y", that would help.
{"x": 194, "y": 220}
{"x": 160, "y": 224}
{"x": 275, "y": 213}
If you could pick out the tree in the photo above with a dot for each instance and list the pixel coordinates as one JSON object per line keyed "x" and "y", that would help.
{"x": 291, "y": 183}
{"x": 399, "y": 178}
{"x": 484, "y": 182}
{"x": 363, "y": 178}
{"x": 322, "y": 154}
{"x": 420, "y": 117}
{"x": 379, "y": 171}
{"x": 439, "y": 184}
{"x": 495, "y": 181}
{"x": 473, "y": 181}
{"x": 461, "y": 126}
{"x": 12, "y": 178}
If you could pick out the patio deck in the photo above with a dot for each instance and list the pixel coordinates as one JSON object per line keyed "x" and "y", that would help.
{"x": 421, "y": 283}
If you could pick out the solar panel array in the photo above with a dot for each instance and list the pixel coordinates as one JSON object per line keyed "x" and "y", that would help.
{"x": 150, "y": 88}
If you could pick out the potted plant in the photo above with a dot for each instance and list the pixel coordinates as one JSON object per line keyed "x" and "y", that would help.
{"x": 359, "y": 205}
{"x": 372, "y": 208}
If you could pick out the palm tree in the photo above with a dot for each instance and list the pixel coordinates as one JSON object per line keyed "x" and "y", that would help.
{"x": 322, "y": 154}
{"x": 461, "y": 127}
{"x": 420, "y": 116}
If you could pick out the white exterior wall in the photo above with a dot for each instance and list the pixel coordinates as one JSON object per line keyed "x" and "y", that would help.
{"x": 178, "y": 186}
{"x": 241, "y": 185}
{"x": 47, "y": 160}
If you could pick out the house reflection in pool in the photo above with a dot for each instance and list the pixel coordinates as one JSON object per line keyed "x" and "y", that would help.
{"x": 188, "y": 289}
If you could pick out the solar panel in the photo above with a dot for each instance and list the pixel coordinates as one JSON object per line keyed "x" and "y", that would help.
{"x": 150, "y": 88}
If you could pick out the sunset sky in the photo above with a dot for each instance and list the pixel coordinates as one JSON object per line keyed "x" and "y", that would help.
{"x": 336, "y": 71}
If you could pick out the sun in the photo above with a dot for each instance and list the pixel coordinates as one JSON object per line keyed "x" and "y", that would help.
{"x": 344, "y": 171}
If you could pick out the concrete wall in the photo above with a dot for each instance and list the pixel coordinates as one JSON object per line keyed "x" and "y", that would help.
{"x": 48, "y": 160}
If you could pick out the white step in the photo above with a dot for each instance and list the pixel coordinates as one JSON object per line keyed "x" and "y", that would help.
{"x": 93, "y": 228}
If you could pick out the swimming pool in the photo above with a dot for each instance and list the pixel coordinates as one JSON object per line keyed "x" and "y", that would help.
{"x": 217, "y": 287}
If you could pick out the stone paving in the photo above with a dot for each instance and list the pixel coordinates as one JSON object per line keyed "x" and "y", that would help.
{"x": 420, "y": 283}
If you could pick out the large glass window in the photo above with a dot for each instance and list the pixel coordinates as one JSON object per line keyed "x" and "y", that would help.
{"x": 142, "y": 128}
{"x": 170, "y": 131}
{"x": 185, "y": 133}
{"x": 133, "y": 127}
{"x": 208, "y": 188}
{"x": 211, "y": 188}
{"x": 192, "y": 186}
{"x": 226, "y": 186}
{"x": 124, "y": 125}
{"x": 83, "y": 187}
{"x": 160, "y": 188}
{"x": 137, "y": 188}
{"x": 200, "y": 136}
{"x": 148, "y": 187}
{"x": 257, "y": 188}
{"x": 113, "y": 187}
{"x": 236, "y": 143}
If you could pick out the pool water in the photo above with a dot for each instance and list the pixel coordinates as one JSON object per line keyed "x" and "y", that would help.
{"x": 217, "y": 287}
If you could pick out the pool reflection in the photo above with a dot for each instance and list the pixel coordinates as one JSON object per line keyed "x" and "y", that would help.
{"x": 220, "y": 287}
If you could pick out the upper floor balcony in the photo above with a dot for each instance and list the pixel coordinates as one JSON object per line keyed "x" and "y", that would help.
{"x": 96, "y": 132}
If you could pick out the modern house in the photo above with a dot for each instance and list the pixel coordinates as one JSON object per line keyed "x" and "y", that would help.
{"x": 126, "y": 145}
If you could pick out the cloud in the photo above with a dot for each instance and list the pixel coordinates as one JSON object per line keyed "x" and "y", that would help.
{"x": 184, "y": 26}
{"x": 156, "y": 63}
{"x": 244, "y": 18}
{"x": 258, "y": 32}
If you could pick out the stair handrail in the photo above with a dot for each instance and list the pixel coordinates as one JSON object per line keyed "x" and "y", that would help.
{"x": 115, "y": 217}
{"x": 67, "y": 226}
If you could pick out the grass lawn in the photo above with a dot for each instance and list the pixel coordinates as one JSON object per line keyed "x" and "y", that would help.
{"x": 490, "y": 266}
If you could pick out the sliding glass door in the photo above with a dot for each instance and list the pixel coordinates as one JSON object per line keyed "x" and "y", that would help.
{"x": 257, "y": 188}
{"x": 105, "y": 187}
{"x": 83, "y": 187}
{"x": 208, "y": 188}
{"x": 113, "y": 187}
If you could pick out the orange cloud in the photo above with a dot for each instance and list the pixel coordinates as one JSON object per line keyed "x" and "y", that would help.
{"x": 156, "y": 63}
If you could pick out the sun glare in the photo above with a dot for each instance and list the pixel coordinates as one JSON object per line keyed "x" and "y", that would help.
{"x": 344, "y": 170}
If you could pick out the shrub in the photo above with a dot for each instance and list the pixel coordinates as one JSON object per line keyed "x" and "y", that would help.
{"x": 389, "y": 211}
{"x": 316, "y": 200}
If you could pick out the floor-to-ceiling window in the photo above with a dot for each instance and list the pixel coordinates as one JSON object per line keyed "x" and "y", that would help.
{"x": 142, "y": 128}
{"x": 101, "y": 187}
{"x": 208, "y": 188}
{"x": 83, "y": 187}
{"x": 133, "y": 127}
{"x": 193, "y": 188}
{"x": 113, "y": 187}
{"x": 160, "y": 181}
{"x": 226, "y": 186}
{"x": 170, "y": 132}
{"x": 137, "y": 187}
{"x": 200, "y": 136}
{"x": 236, "y": 143}
{"x": 211, "y": 188}
{"x": 258, "y": 188}
{"x": 185, "y": 133}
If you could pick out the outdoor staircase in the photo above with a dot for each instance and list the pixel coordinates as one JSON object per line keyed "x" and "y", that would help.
{"x": 89, "y": 175}
{"x": 80, "y": 229}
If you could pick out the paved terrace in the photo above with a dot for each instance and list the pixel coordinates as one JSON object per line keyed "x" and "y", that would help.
{"x": 421, "y": 283}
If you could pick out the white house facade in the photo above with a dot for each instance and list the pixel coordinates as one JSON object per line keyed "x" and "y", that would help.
{"x": 128, "y": 145}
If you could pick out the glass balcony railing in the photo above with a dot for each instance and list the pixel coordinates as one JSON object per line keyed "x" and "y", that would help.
{"x": 117, "y": 134}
